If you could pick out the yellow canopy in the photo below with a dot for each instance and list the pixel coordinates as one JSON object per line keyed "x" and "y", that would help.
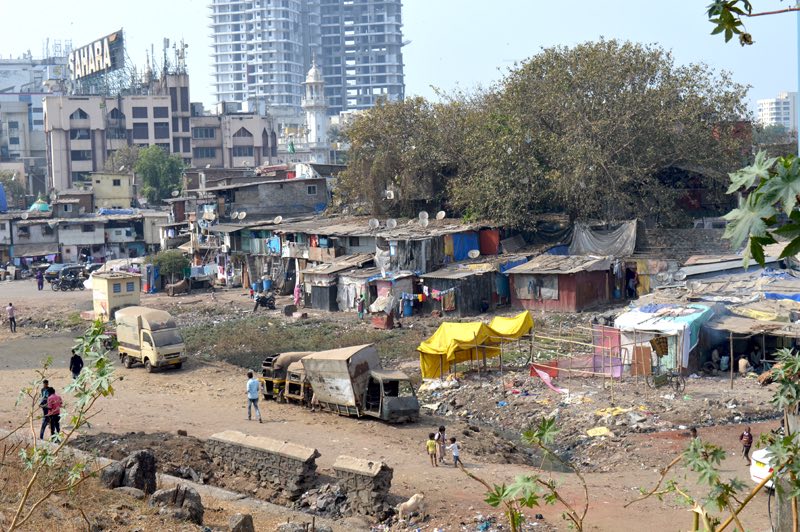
{"x": 456, "y": 342}
{"x": 513, "y": 327}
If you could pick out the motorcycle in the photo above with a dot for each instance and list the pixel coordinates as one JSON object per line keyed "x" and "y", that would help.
{"x": 68, "y": 283}
{"x": 265, "y": 300}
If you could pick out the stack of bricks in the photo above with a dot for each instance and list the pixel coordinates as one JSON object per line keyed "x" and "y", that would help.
{"x": 288, "y": 468}
{"x": 366, "y": 484}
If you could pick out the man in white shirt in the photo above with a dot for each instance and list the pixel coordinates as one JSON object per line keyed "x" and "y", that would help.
{"x": 252, "y": 396}
{"x": 12, "y": 320}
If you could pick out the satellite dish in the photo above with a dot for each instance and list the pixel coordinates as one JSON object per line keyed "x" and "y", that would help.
{"x": 277, "y": 220}
{"x": 424, "y": 223}
{"x": 242, "y": 215}
{"x": 680, "y": 275}
{"x": 208, "y": 215}
{"x": 208, "y": 165}
{"x": 175, "y": 193}
{"x": 391, "y": 223}
{"x": 374, "y": 223}
{"x": 663, "y": 277}
{"x": 235, "y": 215}
{"x": 224, "y": 248}
{"x": 474, "y": 253}
{"x": 122, "y": 168}
{"x": 389, "y": 194}
{"x": 441, "y": 215}
{"x": 423, "y": 215}
{"x": 24, "y": 216}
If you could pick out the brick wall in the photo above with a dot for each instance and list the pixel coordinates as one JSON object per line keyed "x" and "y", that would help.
{"x": 366, "y": 484}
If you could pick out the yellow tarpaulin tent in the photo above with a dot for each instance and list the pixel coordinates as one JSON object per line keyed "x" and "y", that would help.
{"x": 456, "y": 342}
{"x": 513, "y": 327}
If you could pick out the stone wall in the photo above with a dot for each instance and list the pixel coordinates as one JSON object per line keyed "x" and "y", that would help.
{"x": 366, "y": 484}
{"x": 288, "y": 468}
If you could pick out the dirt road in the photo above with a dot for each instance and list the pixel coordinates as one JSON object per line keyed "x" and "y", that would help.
{"x": 203, "y": 399}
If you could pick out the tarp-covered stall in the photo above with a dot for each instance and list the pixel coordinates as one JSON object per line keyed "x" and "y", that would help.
{"x": 681, "y": 325}
{"x": 513, "y": 327}
{"x": 456, "y": 342}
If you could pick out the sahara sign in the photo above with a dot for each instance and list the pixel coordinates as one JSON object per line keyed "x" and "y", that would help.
{"x": 103, "y": 55}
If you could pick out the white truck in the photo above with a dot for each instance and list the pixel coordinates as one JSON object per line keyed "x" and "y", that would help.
{"x": 149, "y": 337}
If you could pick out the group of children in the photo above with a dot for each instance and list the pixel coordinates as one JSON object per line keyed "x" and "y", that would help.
{"x": 437, "y": 444}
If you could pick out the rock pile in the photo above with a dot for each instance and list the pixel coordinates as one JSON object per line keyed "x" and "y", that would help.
{"x": 181, "y": 502}
{"x": 138, "y": 471}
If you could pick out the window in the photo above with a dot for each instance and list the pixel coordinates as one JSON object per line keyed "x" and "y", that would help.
{"x": 160, "y": 112}
{"x": 141, "y": 131}
{"x": 79, "y": 134}
{"x": 243, "y": 133}
{"x": 23, "y": 232}
{"x": 139, "y": 112}
{"x": 117, "y": 288}
{"x": 116, "y": 182}
{"x": 79, "y": 114}
{"x": 129, "y": 286}
{"x": 80, "y": 155}
{"x": 47, "y": 230}
{"x": 354, "y": 241}
{"x": 116, "y": 133}
{"x": 175, "y": 123}
{"x": 173, "y": 98}
{"x": 204, "y": 153}
{"x": 311, "y": 190}
{"x": 13, "y": 140}
{"x": 163, "y": 146}
{"x": 13, "y": 124}
{"x": 67, "y": 208}
{"x": 187, "y": 145}
{"x": 161, "y": 130}
{"x": 203, "y": 133}
{"x": 87, "y": 228}
{"x": 184, "y": 99}
{"x": 242, "y": 151}
{"x": 2, "y": 226}
{"x": 185, "y": 122}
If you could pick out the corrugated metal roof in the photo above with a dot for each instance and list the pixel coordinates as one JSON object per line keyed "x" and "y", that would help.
{"x": 340, "y": 264}
{"x": 562, "y": 264}
{"x": 226, "y": 228}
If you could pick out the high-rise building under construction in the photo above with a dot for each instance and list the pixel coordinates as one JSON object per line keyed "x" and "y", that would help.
{"x": 262, "y": 50}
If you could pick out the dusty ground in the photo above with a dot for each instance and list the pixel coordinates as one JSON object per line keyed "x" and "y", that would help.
{"x": 207, "y": 397}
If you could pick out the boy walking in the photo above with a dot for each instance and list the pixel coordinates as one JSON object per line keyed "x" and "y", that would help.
{"x": 746, "y": 438}
{"x": 455, "y": 448}
{"x": 11, "y": 315}
{"x": 432, "y": 448}
{"x": 54, "y": 411}
{"x": 75, "y": 364}
{"x": 441, "y": 441}
{"x": 252, "y": 396}
{"x": 43, "y": 403}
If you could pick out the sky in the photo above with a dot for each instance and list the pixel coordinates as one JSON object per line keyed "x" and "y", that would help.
{"x": 453, "y": 43}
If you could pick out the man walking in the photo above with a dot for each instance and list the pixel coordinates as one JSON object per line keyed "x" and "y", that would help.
{"x": 39, "y": 278}
{"x": 12, "y": 320}
{"x": 252, "y": 396}
{"x": 75, "y": 364}
{"x": 746, "y": 438}
{"x": 43, "y": 403}
{"x": 54, "y": 411}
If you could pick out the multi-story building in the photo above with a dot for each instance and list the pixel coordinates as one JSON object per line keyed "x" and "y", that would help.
{"x": 232, "y": 140}
{"x": 780, "y": 111}
{"x": 261, "y": 50}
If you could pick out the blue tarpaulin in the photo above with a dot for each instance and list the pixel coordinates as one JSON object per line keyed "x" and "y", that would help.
{"x": 3, "y": 201}
{"x": 776, "y": 296}
{"x": 274, "y": 244}
{"x": 463, "y": 243}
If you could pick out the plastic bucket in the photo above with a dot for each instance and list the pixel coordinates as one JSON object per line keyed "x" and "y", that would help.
{"x": 267, "y": 283}
{"x": 408, "y": 308}
{"x": 256, "y": 287}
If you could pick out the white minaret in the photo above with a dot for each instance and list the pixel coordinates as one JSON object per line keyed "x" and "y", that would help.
{"x": 317, "y": 119}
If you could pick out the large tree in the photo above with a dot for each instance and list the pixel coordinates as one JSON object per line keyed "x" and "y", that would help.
{"x": 160, "y": 173}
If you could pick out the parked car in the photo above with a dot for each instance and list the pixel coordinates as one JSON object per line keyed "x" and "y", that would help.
{"x": 760, "y": 466}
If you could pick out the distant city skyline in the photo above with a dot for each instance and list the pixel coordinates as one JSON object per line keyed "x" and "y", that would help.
{"x": 454, "y": 44}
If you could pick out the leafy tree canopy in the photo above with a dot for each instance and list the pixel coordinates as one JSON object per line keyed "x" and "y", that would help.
{"x": 160, "y": 173}
{"x": 170, "y": 262}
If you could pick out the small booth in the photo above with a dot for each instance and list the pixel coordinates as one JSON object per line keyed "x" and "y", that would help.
{"x": 112, "y": 291}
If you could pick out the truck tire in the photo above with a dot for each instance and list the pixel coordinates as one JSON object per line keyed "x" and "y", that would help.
{"x": 148, "y": 366}
{"x": 179, "y": 365}
{"x": 126, "y": 361}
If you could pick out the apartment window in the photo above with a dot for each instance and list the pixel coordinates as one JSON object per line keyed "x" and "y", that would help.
{"x": 129, "y": 286}
{"x": 203, "y": 132}
{"x": 161, "y": 130}
{"x": 13, "y": 124}
{"x": 141, "y": 131}
{"x": 79, "y": 114}
{"x": 242, "y": 151}
{"x": 184, "y": 99}
{"x": 87, "y": 228}
{"x": 47, "y": 230}
{"x": 311, "y": 190}
{"x": 354, "y": 241}
{"x": 80, "y": 155}
{"x": 2, "y": 226}
{"x": 116, "y": 133}
{"x": 173, "y": 98}
{"x": 204, "y": 153}
{"x": 67, "y": 208}
{"x": 175, "y": 123}
{"x": 140, "y": 112}
{"x": 117, "y": 288}
{"x": 163, "y": 146}
{"x": 187, "y": 145}
{"x": 79, "y": 134}
{"x": 116, "y": 182}
{"x": 160, "y": 112}
{"x": 176, "y": 145}
{"x": 185, "y": 121}
{"x": 23, "y": 232}
{"x": 13, "y": 140}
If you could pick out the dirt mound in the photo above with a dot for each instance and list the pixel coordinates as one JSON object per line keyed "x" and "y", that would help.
{"x": 180, "y": 456}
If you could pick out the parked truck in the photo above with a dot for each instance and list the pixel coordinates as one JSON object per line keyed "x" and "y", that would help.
{"x": 351, "y": 381}
{"x": 149, "y": 337}
{"x": 273, "y": 373}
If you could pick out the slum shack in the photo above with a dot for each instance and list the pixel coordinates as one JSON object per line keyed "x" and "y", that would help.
{"x": 322, "y": 280}
{"x": 561, "y": 283}
{"x": 461, "y": 289}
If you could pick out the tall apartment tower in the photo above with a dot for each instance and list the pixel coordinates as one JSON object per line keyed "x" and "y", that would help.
{"x": 780, "y": 111}
{"x": 262, "y": 49}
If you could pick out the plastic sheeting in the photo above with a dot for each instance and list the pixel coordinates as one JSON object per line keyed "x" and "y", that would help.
{"x": 456, "y": 342}
{"x": 619, "y": 242}
{"x": 463, "y": 243}
{"x": 513, "y": 327}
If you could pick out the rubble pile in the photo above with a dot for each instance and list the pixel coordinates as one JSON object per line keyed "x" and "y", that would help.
{"x": 591, "y": 418}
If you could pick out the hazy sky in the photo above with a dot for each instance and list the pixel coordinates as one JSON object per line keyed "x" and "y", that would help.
{"x": 454, "y": 43}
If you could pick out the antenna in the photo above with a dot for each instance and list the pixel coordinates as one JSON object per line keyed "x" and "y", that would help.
{"x": 441, "y": 215}
{"x": 391, "y": 223}
{"x": 277, "y": 220}
{"x": 374, "y": 223}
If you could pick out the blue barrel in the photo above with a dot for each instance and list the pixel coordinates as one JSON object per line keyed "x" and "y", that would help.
{"x": 267, "y": 283}
{"x": 256, "y": 287}
{"x": 408, "y": 308}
